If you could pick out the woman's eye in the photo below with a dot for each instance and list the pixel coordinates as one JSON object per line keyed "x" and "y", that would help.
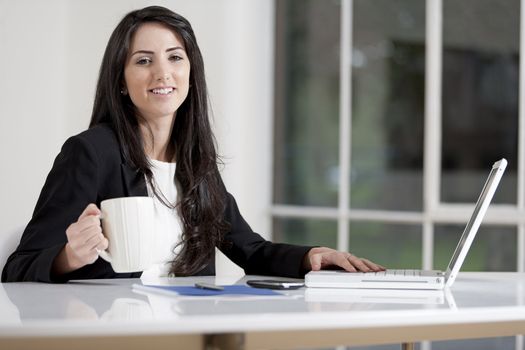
{"x": 176, "y": 58}
{"x": 144, "y": 60}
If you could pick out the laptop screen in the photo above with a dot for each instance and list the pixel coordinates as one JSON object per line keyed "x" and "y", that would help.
{"x": 475, "y": 220}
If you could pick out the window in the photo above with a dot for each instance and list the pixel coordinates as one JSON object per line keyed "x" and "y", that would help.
{"x": 388, "y": 117}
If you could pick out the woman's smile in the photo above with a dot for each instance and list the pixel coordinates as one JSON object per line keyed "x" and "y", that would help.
{"x": 163, "y": 91}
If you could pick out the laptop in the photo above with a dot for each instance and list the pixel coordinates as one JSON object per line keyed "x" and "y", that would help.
{"x": 416, "y": 279}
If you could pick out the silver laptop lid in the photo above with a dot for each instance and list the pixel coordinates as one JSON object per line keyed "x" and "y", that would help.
{"x": 475, "y": 220}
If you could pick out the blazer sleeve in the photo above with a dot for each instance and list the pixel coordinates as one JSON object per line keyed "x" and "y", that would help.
{"x": 257, "y": 255}
{"x": 70, "y": 186}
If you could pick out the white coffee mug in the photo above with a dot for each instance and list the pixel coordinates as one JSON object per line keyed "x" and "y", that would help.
{"x": 129, "y": 225}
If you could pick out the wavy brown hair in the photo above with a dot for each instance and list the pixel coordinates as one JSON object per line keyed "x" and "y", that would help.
{"x": 202, "y": 196}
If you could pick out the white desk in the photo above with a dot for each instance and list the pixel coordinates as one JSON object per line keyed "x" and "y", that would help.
{"x": 107, "y": 313}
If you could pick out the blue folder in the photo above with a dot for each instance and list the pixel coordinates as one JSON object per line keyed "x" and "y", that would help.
{"x": 194, "y": 291}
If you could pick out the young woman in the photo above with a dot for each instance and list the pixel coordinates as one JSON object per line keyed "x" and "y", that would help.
{"x": 150, "y": 136}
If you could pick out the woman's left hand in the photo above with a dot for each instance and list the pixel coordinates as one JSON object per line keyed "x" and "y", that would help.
{"x": 322, "y": 257}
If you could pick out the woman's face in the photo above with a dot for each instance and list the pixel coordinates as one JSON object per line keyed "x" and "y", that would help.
{"x": 157, "y": 72}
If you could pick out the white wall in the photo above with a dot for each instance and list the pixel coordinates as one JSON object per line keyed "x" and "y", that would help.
{"x": 50, "y": 53}
{"x": 32, "y": 84}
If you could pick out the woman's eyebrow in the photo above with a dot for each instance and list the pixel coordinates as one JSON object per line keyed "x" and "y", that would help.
{"x": 147, "y": 52}
{"x": 175, "y": 48}
{"x": 142, "y": 52}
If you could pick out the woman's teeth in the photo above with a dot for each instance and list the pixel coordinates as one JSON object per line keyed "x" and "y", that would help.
{"x": 163, "y": 91}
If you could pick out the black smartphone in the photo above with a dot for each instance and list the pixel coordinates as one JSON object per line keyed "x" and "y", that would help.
{"x": 275, "y": 284}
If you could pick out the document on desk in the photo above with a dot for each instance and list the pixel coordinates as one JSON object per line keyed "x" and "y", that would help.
{"x": 236, "y": 289}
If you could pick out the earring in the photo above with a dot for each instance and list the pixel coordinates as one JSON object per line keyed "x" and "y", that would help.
{"x": 123, "y": 91}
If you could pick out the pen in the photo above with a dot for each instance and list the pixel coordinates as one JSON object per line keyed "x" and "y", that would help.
{"x": 208, "y": 286}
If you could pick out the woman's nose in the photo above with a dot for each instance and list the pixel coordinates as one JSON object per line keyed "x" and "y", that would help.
{"x": 163, "y": 77}
{"x": 162, "y": 72}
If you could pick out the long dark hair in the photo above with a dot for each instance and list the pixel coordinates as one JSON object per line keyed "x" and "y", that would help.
{"x": 202, "y": 196}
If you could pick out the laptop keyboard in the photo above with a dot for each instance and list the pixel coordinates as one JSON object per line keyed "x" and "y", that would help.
{"x": 393, "y": 272}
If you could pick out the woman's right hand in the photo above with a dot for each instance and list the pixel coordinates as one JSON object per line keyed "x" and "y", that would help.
{"x": 84, "y": 238}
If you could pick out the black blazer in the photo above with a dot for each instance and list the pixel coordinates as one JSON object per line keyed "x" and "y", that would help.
{"x": 89, "y": 169}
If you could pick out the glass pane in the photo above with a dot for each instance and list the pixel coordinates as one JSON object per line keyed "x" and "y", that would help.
{"x": 395, "y": 246}
{"x": 306, "y": 143}
{"x": 388, "y": 79}
{"x": 305, "y": 232}
{"x": 503, "y": 343}
{"x": 480, "y": 96}
{"x": 494, "y": 248}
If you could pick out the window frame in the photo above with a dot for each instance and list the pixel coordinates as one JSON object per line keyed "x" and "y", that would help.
{"x": 434, "y": 211}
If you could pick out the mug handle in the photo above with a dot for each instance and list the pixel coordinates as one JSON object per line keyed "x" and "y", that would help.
{"x": 104, "y": 255}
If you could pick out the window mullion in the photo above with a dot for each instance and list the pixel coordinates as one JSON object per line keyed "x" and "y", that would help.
{"x": 432, "y": 152}
{"x": 521, "y": 144}
{"x": 345, "y": 127}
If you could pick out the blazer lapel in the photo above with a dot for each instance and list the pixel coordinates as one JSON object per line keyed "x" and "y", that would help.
{"x": 134, "y": 181}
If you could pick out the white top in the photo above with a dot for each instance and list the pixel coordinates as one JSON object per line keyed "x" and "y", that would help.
{"x": 168, "y": 227}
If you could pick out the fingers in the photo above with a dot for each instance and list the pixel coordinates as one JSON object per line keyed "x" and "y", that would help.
{"x": 364, "y": 265}
{"x": 84, "y": 243}
{"x": 316, "y": 262}
{"x": 91, "y": 209}
{"x": 103, "y": 245}
{"x": 342, "y": 260}
{"x": 85, "y": 236}
{"x": 324, "y": 257}
{"x": 97, "y": 241}
{"x": 88, "y": 222}
{"x": 373, "y": 266}
{"x": 357, "y": 263}
{"x": 82, "y": 231}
